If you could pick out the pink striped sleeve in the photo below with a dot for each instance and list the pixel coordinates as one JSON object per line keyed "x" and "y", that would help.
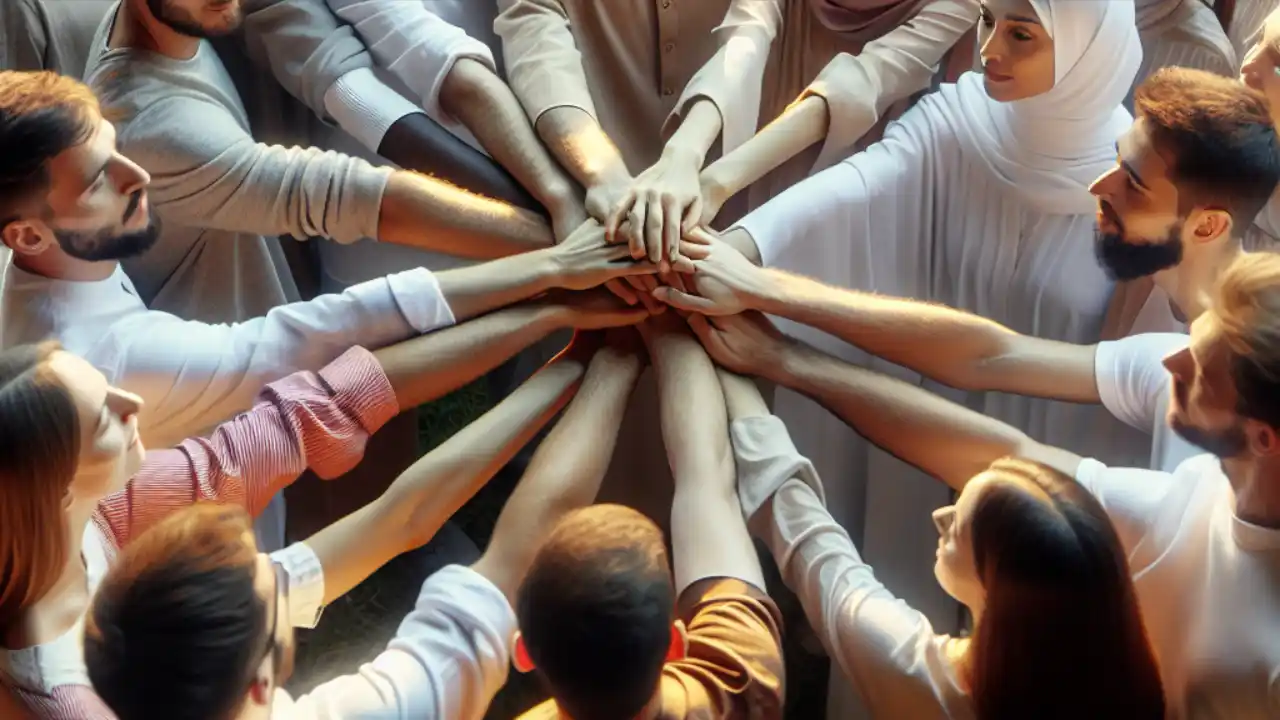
{"x": 66, "y": 702}
{"x": 318, "y": 420}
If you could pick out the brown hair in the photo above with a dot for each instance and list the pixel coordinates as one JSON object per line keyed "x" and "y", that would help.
{"x": 1217, "y": 136}
{"x": 596, "y": 611}
{"x": 176, "y": 629}
{"x": 40, "y": 444}
{"x": 1247, "y": 304}
{"x": 1061, "y": 635}
{"x": 42, "y": 114}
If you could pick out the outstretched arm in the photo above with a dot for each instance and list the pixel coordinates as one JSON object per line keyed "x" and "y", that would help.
{"x": 948, "y": 441}
{"x": 419, "y": 502}
{"x": 951, "y": 346}
{"x": 567, "y": 469}
{"x": 708, "y": 536}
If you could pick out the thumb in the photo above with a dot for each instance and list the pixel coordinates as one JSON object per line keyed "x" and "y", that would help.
{"x": 683, "y": 301}
{"x": 703, "y": 329}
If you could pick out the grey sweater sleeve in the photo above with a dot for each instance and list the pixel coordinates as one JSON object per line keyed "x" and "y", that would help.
{"x": 207, "y": 172}
{"x": 304, "y": 45}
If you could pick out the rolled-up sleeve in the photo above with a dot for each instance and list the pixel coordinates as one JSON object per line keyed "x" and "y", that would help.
{"x": 544, "y": 65}
{"x": 320, "y": 421}
{"x": 731, "y": 79}
{"x": 414, "y": 45}
{"x": 859, "y": 88}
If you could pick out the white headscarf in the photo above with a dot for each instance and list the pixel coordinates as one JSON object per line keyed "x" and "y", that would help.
{"x": 1048, "y": 149}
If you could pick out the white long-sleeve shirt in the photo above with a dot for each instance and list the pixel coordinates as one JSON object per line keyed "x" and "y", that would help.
{"x": 193, "y": 375}
{"x": 886, "y": 648}
{"x": 417, "y": 47}
{"x": 446, "y": 662}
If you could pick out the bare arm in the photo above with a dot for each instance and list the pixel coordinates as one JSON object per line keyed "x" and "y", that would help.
{"x": 419, "y": 502}
{"x": 566, "y": 471}
{"x": 951, "y": 346}
{"x": 946, "y": 440}
{"x": 482, "y": 101}
{"x": 802, "y": 124}
{"x": 584, "y": 149}
{"x": 708, "y": 535}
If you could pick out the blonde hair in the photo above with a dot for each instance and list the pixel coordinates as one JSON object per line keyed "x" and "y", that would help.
{"x": 1247, "y": 307}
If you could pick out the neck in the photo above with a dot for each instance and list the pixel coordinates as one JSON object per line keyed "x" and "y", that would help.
{"x": 1256, "y": 484}
{"x": 57, "y": 265}
{"x": 136, "y": 27}
{"x": 1189, "y": 284}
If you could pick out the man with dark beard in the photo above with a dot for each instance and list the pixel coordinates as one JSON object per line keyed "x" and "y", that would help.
{"x": 1198, "y": 163}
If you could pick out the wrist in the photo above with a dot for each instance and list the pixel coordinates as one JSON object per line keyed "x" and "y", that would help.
{"x": 681, "y": 153}
{"x": 715, "y": 187}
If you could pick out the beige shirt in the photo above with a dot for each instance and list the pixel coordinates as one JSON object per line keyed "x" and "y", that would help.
{"x": 634, "y": 65}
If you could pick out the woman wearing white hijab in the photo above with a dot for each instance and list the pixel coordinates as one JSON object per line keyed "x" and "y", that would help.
{"x": 978, "y": 197}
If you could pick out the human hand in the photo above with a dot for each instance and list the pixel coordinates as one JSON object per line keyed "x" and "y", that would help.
{"x": 584, "y": 260}
{"x": 603, "y": 196}
{"x": 725, "y": 281}
{"x": 662, "y": 203}
{"x": 592, "y": 310}
{"x": 714, "y": 195}
{"x": 747, "y": 344}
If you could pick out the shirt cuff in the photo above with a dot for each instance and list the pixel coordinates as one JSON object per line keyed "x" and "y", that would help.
{"x": 766, "y": 458}
{"x": 361, "y": 387}
{"x": 366, "y": 107}
{"x": 418, "y": 295}
{"x": 306, "y": 583}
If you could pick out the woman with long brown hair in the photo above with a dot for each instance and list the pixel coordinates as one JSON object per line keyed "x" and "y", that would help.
{"x": 1056, "y": 626}
{"x": 76, "y": 485}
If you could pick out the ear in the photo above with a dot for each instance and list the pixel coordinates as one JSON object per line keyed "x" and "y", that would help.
{"x": 27, "y": 237}
{"x": 1263, "y": 440}
{"x": 1209, "y": 224}
{"x": 260, "y": 690}
{"x": 520, "y": 656}
{"x": 679, "y": 648}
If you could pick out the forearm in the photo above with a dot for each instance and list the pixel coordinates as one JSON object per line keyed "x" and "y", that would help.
{"x": 906, "y": 332}
{"x": 427, "y": 494}
{"x": 946, "y": 440}
{"x": 708, "y": 535}
{"x": 420, "y": 212}
{"x": 801, "y": 125}
{"x": 427, "y": 367}
{"x": 582, "y": 147}
{"x": 478, "y": 98}
{"x": 564, "y": 475}
{"x": 693, "y": 139}
{"x": 416, "y": 142}
{"x": 483, "y": 287}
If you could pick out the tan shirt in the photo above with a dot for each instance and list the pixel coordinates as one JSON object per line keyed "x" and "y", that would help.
{"x": 734, "y": 668}
{"x": 633, "y": 65}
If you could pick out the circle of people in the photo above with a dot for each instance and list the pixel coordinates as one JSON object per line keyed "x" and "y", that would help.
{"x": 978, "y": 294}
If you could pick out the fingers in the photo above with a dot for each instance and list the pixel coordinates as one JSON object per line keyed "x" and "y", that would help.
{"x": 670, "y": 228}
{"x": 705, "y": 332}
{"x": 625, "y": 293}
{"x": 698, "y": 236}
{"x": 635, "y": 230}
{"x": 688, "y": 253}
{"x": 653, "y": 224}
{"x": 692, "y": 216}
{"x": 616, "y": 216}
{"x": 681, "y": 300}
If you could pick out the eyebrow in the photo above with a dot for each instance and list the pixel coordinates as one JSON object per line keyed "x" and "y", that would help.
{"x": 1024, "y": 19}
{"x": 1137, "y": 179}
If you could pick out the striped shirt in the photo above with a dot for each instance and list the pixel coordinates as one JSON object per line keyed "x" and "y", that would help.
{"x": 320, "y": 421}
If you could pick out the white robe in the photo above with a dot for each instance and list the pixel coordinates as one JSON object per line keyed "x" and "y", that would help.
{"x": 965, "y": 202}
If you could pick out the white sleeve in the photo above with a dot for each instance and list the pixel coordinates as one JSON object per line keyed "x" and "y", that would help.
{"x": 195, "y": 375}
{"x": 1132, "y": 378}
{"x": 1131, "y": 496}
{"x": 306, "y": 583}
{"x": 446, "y": 662}
{"x": 414, "y": 44}
{"x": 888, "y": 649}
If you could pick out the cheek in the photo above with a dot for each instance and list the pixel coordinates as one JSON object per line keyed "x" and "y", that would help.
{"x": 1035, "y": 68}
